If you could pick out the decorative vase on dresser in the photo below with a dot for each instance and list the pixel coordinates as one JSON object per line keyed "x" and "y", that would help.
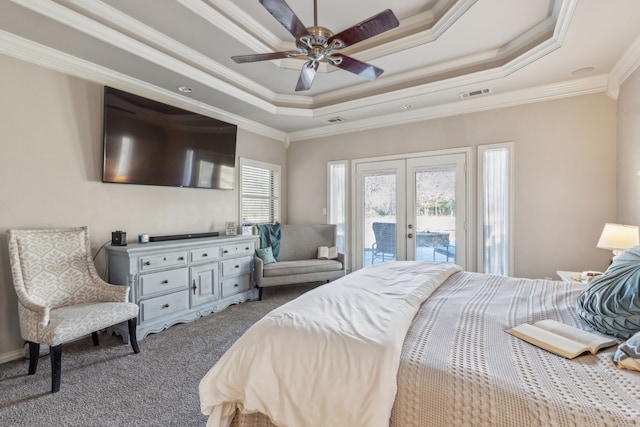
{"x": 181, "y": 280}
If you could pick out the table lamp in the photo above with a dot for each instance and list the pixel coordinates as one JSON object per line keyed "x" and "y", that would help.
{"x": 618, "y": 237}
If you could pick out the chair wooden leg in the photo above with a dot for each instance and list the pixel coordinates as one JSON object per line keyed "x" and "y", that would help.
{"x": 132, "y": 334}
{"x": 55, "y": 353}
{"x": 34, "y": 354}
{"x": 259, "y": 294}
{"x": 94, "y": 336}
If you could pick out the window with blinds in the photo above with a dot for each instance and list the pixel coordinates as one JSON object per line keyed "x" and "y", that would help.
{"x": 259, "y": 192}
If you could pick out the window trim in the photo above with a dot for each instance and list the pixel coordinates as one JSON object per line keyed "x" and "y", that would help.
{"x": 277, "y": 199}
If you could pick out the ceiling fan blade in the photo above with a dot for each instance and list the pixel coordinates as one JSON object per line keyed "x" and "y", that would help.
{"x": 240, "y": 59}
{"x": 284, "y": 15}
{"x": 307, "y": 74}
{"x": 354, "y": 66}
{"x": 373, "y": 26}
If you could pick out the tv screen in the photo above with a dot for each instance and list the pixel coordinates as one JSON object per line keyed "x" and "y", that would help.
{"x": 148, "y": 142}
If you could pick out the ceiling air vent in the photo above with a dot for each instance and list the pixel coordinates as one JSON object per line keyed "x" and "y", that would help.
{"x": 336, "y": 120}
{"x": 472, "y": 93}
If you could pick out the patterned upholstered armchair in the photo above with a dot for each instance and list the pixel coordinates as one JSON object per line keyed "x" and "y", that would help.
{"x": 60, "y": 295}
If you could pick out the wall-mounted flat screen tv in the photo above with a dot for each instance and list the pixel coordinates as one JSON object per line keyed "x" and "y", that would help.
{"x": 148, "y": 142}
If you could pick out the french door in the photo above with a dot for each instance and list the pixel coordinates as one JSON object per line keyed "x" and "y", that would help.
{"x": 411, "y": 209}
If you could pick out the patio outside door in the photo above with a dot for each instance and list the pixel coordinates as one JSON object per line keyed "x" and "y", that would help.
{"x": 411, "y": 209}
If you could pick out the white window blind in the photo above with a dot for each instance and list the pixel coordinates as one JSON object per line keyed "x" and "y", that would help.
{"x": 259, "y": 192}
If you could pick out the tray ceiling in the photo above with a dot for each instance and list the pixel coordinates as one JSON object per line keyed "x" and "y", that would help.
{"x": 446, "y": 57}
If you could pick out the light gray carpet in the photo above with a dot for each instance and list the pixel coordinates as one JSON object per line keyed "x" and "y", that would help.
{"x": 111, "y": 386}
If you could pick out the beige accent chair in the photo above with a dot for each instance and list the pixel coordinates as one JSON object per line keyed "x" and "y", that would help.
{"x": 61, "y": 297}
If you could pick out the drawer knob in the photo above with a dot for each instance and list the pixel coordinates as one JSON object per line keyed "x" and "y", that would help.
{"x": 205, "y": 255}
{"x": 147, "y": 263}
{"x": 237, "y": 266}
{"x": 165, "y": 306}
{"x": 181, "y": 258}
{"x": 236, "y": 285}
{"x": 164, "y": 282}
{"x": 246, "y": 249}
{"x": 225, "y": 251}
{"x": 164, "y": 259}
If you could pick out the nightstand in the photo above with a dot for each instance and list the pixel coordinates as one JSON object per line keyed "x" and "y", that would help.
{"x": 568, "y": 276}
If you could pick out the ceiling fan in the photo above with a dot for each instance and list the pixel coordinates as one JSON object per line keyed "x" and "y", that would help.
{"x": 320, "y": 44}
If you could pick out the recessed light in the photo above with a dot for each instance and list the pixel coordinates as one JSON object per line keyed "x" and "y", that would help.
{"x": 185, "y": 89}
{"x": 582, "y": 71}
{"x": 405, "y": 107}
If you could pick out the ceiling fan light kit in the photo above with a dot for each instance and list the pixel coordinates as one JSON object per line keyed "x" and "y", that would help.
{"x": 320, "y": 44}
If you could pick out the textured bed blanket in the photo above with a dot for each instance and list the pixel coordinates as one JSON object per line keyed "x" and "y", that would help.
{"x": 459, "y": 368}
{"x": 328, "y": 358}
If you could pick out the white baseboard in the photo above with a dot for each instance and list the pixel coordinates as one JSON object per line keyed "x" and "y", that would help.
{"x": 11, "y": 356}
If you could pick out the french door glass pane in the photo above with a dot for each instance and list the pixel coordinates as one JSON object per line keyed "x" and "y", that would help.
{"x": 379, "y": 218}
{"x": 435, "y": 202}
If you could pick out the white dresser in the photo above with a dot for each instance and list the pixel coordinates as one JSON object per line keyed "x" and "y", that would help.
{"x": 180, "y": 280}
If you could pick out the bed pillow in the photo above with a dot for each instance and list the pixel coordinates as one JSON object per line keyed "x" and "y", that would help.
{"x": 627, "y": 356}
{"x": 266, "y": 255}
{"x": 611, "y": 302}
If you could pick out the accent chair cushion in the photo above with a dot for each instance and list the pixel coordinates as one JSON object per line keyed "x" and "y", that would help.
{"x": 290, "y": 268}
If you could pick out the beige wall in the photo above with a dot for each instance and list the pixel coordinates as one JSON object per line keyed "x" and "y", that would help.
{"x": 51, "y": 168}
{"x": 629, "y": 151}
{"x": 565, "y": 173}
{"x": 565, "y": 164}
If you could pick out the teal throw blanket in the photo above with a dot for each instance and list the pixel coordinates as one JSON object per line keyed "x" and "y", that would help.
{"x": 270, "y": 236}
{"x": 611, "y": 302}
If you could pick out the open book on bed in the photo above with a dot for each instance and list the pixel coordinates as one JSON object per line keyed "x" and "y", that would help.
{"x": 561, "y": 339}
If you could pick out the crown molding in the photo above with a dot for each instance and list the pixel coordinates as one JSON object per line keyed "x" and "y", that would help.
{"x": 224, "y": 80}
{"x": 115, "y": 38}
{"x": 290, "y": 105}
{"x": 629, "y": 62}
{"x": 234, "y": 21}
{"x": 29, "y": 51}
{"x": 525, "y": 96}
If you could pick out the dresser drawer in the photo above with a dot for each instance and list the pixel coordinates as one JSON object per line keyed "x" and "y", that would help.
{"x": 235, "y": 266}
{"x": 154, "y": 262}
{"x": 245, "y": 248}
{"x": 162, "y": 306}
{"x": 163, "y": 281}
{"x": 204, "y": 254}
{"x": 235, "y": 285}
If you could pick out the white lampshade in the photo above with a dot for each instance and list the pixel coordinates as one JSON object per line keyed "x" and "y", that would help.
{"x": 618, "y": 237}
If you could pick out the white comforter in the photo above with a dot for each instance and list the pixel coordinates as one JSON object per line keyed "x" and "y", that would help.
{"x": 303, "y": 367}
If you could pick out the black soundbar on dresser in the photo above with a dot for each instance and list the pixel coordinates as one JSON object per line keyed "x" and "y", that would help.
{"x": 183, "y": 236}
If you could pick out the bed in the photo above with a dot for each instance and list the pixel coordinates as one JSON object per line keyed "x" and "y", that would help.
{"x": 416, "y": 344}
